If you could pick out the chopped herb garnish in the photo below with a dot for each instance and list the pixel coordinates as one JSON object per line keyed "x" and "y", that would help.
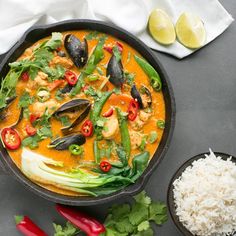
{"x": 129, "y": 77}
{"x": 92, "y": 35}
{"x": 92, "y": 78}
{"x": 116, "y": 53}
{"x": 65, "y": 121}
{"x": 25, "y": 100}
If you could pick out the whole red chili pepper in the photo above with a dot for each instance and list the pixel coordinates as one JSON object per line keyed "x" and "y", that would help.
{"x": 86, "y": 223}
{"x": 27, "y": 227}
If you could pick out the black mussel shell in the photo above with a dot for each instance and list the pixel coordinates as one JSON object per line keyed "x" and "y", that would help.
{"x": 77, "y": 50}
{"x": 3, "y": 110}
{"x": 139, "y": 95}
{"x": 61, "y": 53}
{"x": 72, "y": 106}
{"x": 63, "y": 143}
{"x": 136, "y": 95}
{"x": 115, "y": 72}
{"x": 77, "y": 121}
{"x": 66, "y": 89}
{"x": 19, "y": 118}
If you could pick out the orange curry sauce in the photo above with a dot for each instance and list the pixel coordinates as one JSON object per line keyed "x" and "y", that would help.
{"x": 120, "y": 100}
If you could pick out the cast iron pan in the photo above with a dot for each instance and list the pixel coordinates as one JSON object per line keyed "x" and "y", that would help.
{"x": 37, "y": 32}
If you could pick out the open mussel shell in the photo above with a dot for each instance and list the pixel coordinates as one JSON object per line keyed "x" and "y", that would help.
{"x": 77, "y": 121}
{"x": 72, "y": 106}
{"x": 63, "y": 143}
{"x": 142, "y": 95}
{"x": 115, "y": 72}
{"x": 77, "y": 50}
{"x": 19, "y": 118}
{"x": 3, "y": 110}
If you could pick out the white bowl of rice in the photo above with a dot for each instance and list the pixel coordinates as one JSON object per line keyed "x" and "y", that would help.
{"x": 202, "y": 195}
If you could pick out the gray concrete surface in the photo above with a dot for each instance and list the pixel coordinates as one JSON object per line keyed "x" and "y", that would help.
{"x": 205, "y": 91}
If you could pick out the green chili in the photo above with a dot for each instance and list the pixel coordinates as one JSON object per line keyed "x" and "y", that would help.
{"x": 96, "y": 151}
{"x": 76, "y": 149}
{"x": 161, "y": 124}
{"x": 43, "y": 94}
{"x": 125, "y": 138}
{"x": 154, "y": 77}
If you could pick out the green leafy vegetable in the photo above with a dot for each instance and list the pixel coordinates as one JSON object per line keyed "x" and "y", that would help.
{"x": 134, "y": 219}
{"x": 67, "y": 230}
{"x": 143, "y": 143}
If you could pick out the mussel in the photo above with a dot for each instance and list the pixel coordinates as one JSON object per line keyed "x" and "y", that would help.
{"x": 115, "y": 71}
{"x": 77, "y": 50}
{"x": 143, "y": 96}
{"x": 63, "y": 143}
{"x": 3, "y": 110}
{"x": 77, "y": 108}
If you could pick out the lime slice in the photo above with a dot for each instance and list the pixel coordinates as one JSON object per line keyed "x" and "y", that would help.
{"x": 161, "y": 27}
{"x": 190, "y": 31}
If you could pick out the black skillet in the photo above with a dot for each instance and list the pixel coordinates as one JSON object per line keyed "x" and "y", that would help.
{"x": 37, "y": 32}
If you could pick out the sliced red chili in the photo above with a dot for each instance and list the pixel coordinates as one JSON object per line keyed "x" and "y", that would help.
{"x": 58, "y": 49}
{"x": 30, "y": 130}
{"x": 33, "y": 118}
{"x": 27, "y": 227}
{"x": 133, "y": 110}
{"x": 25, "y": 76}
{"x": 110, "y": 48}
{"x": 87, "y": 128}
{"x": 85, "y": 87}
{"x": 11, "y": 138}
{"x": 108, "y": 113}
{"x": 120, "y": 46}
{"x": 71, "y": 77}
{"x": 55, "y": 84}
{"x": 105, "y": 166}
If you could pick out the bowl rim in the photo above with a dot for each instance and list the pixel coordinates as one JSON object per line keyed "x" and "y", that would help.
{"x": 176, "y": 175}
{"x": 112, "y": 30}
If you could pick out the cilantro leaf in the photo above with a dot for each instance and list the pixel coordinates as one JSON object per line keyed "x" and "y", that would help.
{"x": 54, "y": 42}
{"x": 92, "y": 35}
{"x": 118, "y": 211}
{"x": 148, "y": 232}
{"x": 124, "y": 226}
{"x": 25, "y": 100}
{"x": 143, "y": 198}
{"x": 145, "y": 225}
{"x": 67, "y": 230}
{"x": 129, "y": 77}
{"x": 139, "y": 213}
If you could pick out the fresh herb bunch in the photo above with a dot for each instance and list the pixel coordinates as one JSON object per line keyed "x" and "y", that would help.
{"x": 127, "y": 219}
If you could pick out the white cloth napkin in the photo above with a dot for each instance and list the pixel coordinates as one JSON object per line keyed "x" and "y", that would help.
{"x": 16, "y": 16}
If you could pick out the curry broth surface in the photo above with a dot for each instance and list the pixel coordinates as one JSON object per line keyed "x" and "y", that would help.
{"x": 122, "y": 100}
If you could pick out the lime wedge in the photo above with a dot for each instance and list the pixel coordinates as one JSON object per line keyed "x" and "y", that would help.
{"x": 161, "y": 27}
{"x": 190, "y": 31}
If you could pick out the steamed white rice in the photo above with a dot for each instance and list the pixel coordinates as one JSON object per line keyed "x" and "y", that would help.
{"x": 205, "y": 197}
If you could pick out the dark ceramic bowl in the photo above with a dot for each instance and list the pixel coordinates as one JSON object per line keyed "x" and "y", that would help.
{"x": 170, "y": 195}
{"x": 38, "y": 32}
